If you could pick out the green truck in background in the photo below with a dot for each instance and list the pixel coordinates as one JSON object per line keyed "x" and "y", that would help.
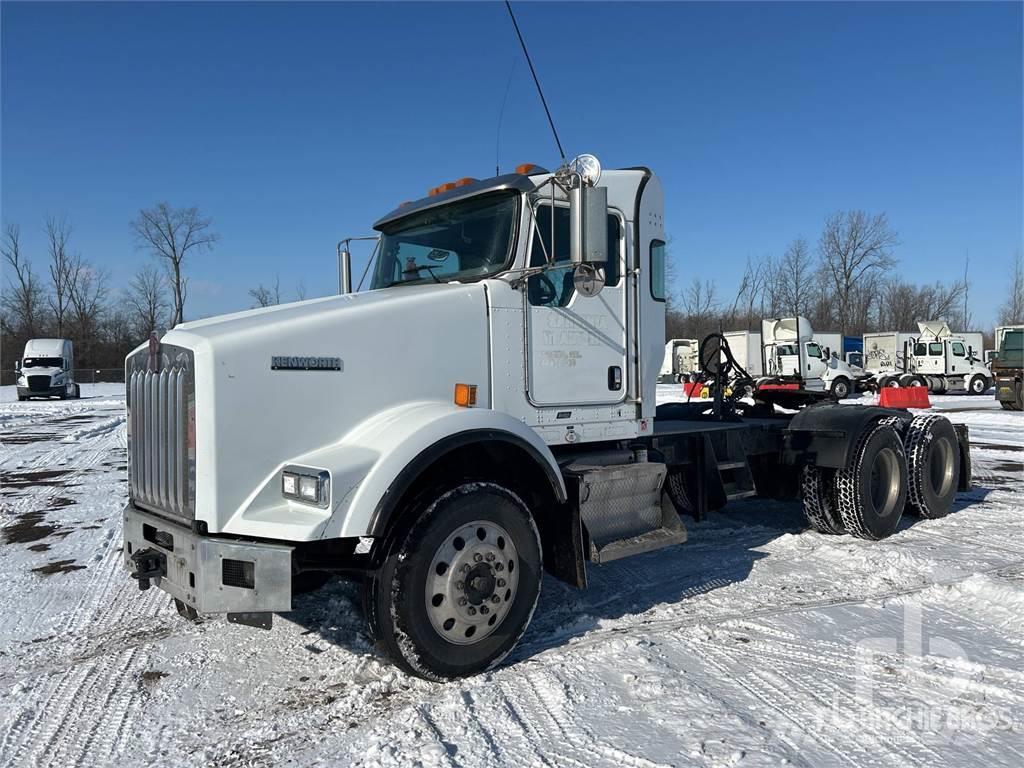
{"x": 1008, "y": 367}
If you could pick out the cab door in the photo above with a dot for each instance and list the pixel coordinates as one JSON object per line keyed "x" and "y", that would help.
{"x": 576, "y": 344}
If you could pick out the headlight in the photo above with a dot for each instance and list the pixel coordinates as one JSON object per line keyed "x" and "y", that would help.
{"x": 310, "y": 486}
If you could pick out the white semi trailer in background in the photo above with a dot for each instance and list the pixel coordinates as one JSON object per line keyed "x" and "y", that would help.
{"x": 746, "y": 348}
{"x": 680, "y": 361}
{"x": 47, "y": 369}
{"x": 279, "y": 442}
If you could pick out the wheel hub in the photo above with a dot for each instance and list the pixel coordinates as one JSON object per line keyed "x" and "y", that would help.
{"x": 472, "y": 581}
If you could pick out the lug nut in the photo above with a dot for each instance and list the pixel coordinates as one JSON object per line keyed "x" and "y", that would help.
{"x": 459, "y": 585}
{"x": 501, "y": 582}
{"x": 499, "y": 567}
{"x": 490, "y": 557}
{"x": 495, "y": 599}
{"x": 484, "y": 610}
{"x": 465, "y": 568}
{"x": 472, "y": 611}
{"x": 463, "y": 601}
{"x": 477, "y": 557}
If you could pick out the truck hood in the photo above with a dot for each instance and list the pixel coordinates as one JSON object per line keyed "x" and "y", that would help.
{"x": 272, "y": 384}
{"x": 41, "y": 371}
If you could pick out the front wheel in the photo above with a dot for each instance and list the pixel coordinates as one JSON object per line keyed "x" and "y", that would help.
{"x": 456, "y": 592}
{"x": 978, "y": 385}
{"x": 840, "y": 389}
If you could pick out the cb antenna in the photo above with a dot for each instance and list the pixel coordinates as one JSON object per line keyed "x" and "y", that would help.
{"x": 536, "y": 81}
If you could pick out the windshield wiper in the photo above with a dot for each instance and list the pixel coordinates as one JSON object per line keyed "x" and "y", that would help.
{"x": 430, "y": 269}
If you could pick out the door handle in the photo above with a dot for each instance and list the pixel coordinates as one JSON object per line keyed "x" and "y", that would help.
{"x": 614, "y": 378}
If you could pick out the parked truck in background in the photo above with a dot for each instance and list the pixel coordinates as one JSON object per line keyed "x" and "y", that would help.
{"x": 940, "y": 360}
{"x": 791, "y": 351}
{"x": 47, "y": 369}
{"x": 271, "y": 443}
{"x": 1008, "y": 367}
{"x": 680, "y": 361}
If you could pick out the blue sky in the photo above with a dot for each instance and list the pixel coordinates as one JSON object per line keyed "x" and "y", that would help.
{"x": 294, "y": 125}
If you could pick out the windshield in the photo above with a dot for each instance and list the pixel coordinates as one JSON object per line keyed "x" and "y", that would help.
{"x": 42, "y": 362}
{"x": 463, "y": 241}
{"x": 1011, "y": 351}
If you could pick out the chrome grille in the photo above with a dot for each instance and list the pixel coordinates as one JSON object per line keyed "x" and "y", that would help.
{"x": 161, "y": 444}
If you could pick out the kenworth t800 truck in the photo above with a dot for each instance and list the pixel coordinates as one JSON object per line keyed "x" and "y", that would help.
{"x": 278, "y": 442}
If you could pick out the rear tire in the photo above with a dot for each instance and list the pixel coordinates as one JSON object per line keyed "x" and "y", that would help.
{"x": 447, "y": 602}
{"x": 678, "y": 492}
{"x": 840, "y": 388}
{"x": 872, "y": 492}
{"x": 819, "y": 506}
{"x": 1007, "y": 406}
{"x": 933, "y": 465}
{"x": 912, "y": 380}
{"x": 978, "y": 385}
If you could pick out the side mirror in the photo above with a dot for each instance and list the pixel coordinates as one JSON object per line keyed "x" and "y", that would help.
{"x": 588, "y": 225}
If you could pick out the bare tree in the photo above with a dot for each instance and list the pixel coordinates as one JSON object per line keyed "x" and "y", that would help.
{"x": 300, "y": 291}
{"x": 854, "y": 246}
{"x": 794, "y": 275}
{"x": 171, "y": 234}
{"x": 267, "y": 297}
{"x": 147, "y": 299}
{"x": 23, "y": 299}
{"x": 1012, "y": 310}
{"x": 64, "y": 269}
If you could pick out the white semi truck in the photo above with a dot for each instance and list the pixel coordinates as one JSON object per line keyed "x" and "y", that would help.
{"x": 47, "y": 369}
{"x": 283, "y": 441}
{"x": 792, "y": 352}
{"x": 680, "y": 361}
{"x": 935, "y": 358}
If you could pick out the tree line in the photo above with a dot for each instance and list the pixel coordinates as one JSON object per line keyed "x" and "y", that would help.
{"x": 846, "y": 281}
{"x": 61, "y": 294}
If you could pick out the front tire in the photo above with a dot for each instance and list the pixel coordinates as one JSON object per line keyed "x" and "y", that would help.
{"x": 978, "y": 385}
{"x": 456, "y": 592}
{"x": 872, "y": 492}
{"x": 840, "y": 389}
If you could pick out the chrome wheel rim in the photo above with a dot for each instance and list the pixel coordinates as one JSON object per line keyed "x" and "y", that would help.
{"x": 885, "y": 482}
{"x": 940, "y": 467}
{"x": 472, "y": 582}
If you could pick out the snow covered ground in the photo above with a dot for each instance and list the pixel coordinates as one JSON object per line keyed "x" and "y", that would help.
{"x": 756, "y": 643}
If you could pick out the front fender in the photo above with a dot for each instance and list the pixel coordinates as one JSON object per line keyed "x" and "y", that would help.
{"x": 368, "y": 464}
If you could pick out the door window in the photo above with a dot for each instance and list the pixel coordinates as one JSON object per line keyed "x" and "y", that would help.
{"x": 813, "y": 350}
{"x": 920, "y": 350}
{"x": 554, "y": 288}
{"x": 958, "y": 349}
{"x": 935, "y": 349}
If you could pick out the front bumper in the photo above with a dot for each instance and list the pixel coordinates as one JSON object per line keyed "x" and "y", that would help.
{"x": 210, "y": 575}
{"x": 48, "y": 392}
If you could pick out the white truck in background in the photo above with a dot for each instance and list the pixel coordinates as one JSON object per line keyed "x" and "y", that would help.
{"x": 680, "y": 362}
{"x": 47, "y": 369}
{"x": 791, "y": 352}
{"x": 279, "y": 442}
{"x": 934, "y": 357}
